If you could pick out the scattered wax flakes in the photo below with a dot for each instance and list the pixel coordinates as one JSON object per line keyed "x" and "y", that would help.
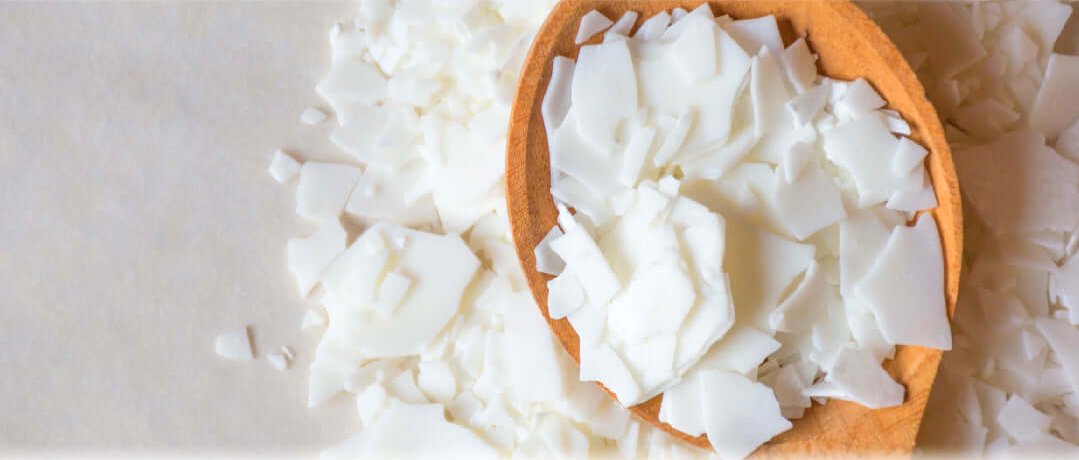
{"x": 435, "y": 293}
{"x": 398, "y": 196}
{"x": 235, "y": 345}
{"x": 1021, "y": 420}
{"x": 948, "y": 28}
{"x": 324, "y": 189}
{"x": 1067, "y": 143}
{"x": 283, "y": 167}
{"x": 754, "y": 34}
{"x": 381, "y": 135}
{"x": 350, "y": 84}
{"x": 592, "y": 23}
{"x": 904, "y": 288}
{"x": 579, "y": 251}
{"x": 312, "y": 116}
{"x": 394, "y": 432}
{"x": 1063, "y": 338}
{"x": 532, "y": 357}
{"x": 739, "y": 414}
{"x": 1057, "y": 105}
{"x": 985, "y": 119}
{"x": 370, "y": 402}
{"x": 741, "y": 350}
{"x": 309, "y": 257}
{"x": 1017, "y": 184}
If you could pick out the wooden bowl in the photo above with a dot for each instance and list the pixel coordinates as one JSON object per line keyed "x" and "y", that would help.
{"x": 850, "y": 45}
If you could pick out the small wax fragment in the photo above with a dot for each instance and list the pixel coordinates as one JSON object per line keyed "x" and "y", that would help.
{"x": 283, "y": 167}
{"x": 234, "y": 345}
{"x": 312, "y": 116}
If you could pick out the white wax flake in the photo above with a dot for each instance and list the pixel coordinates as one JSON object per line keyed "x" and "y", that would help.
{"x": 857, "y": 376}
{"x": 908, "y": 156}
{"x": 693, "y": 52}
{"x": 810, "y": 201}
{"x": 312, "y": 116}
{"x": 308, "y": 257}
{"x": 1017, "y": 184}
{"x": 1064, "y": 340}
{"x": 767, "y": 264}
{"x": 905, "y": 287}
{"x": 592, "y": 23}
{"x": 809, "y": 103}
{"x": 352, "y": 83}
{"x": 741, "y": 350}
{"x": 564, "y": 295}
{"x": 604, "y": 91}
{"x": 859, "y": 99}
{"x": 600, "y": 363}
{"x": 556, "y": 101}
{"x": 546, "y": 260}
{"x": 805, "y": 305}
{"x": 391, "y": 292}
{"x": 534, "y": 370}
{"x": 235, "y": 345}
{"x": 674, "y": 139}
{"x": 370, "y": 402}
{"x": 434, "y": 295}
{"x": 278, "y": 360}
{"x": 324, "y": 189}
{"x": 800, "y": 65}
{"x": 623, "y": 25}
{"x": 578, "y": 249}
{"x": 283, "y": 167}
{"x": 1057, "y": 105}
{"x": 1021, "y": 420}
{"x": 633, "y": 157}
{"x": 860, "y": 147}
{"x": 395, "y": 431}
{"x": 754, "y": 34}
{"x": 739, "y": 414}
{"x": 394, "y": 195}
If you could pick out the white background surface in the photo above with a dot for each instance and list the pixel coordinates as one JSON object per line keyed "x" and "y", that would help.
{"x": 138, "y": 222}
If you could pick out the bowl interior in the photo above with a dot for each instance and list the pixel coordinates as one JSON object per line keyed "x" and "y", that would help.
{"x": 850, "y": 45}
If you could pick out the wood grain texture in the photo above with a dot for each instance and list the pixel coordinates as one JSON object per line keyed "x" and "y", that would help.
{"x": 850, "y": 45}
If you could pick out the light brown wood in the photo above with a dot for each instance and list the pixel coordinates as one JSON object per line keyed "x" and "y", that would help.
{"x": 850, "y": 45}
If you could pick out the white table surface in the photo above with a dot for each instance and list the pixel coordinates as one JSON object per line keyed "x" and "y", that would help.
{"x": 138, "y": 222}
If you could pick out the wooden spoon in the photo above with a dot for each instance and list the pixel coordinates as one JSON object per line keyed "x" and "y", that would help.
{"x": 850, "y": 45}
